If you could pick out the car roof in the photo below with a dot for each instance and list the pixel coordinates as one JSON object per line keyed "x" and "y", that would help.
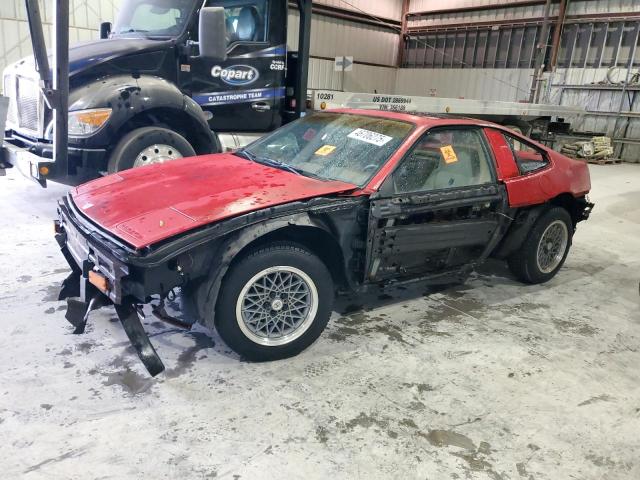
{"x": 422, "y": 119}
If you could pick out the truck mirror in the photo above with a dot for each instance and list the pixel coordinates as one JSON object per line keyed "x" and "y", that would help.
{"x": 105, "y": 30}
{"x": 212, "y": 32}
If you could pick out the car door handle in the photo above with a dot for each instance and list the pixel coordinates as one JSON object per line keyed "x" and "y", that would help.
{"x": 261, "y": 107}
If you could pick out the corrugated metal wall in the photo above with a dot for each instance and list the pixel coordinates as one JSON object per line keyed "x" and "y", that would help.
{"x": 332, "y": 37}
{"x": 485, "y": 84}
{"x": 511, "y": 13}
{"x": 599, "y": 100}
{"x": 84, "y": 19}
{"x": 576, "y": 7}
{"x": 431, "y": 5}
{"x": 390, "y": 9}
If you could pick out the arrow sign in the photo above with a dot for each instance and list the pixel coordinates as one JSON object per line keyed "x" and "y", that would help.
{"x": 343, "y": 64}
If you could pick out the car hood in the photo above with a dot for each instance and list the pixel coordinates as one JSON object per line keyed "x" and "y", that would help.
{"x": 146, "y": 205}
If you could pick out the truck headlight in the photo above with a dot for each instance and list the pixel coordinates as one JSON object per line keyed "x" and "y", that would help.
{"x": 87, "y": 122}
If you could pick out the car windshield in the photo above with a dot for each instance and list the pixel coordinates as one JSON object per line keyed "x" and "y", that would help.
{"x": 153, "y": 18}
{"x": 332, "y": 146}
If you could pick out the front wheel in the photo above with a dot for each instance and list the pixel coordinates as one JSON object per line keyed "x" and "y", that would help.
{"x": 148, "y": 146}
{"x": 274, "y": 302}
{"x": 544, "y": 251}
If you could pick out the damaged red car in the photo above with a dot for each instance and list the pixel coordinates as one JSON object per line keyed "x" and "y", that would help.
{"x": 260, "y": 240}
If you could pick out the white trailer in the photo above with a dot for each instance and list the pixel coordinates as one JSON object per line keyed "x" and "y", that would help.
{"x": 536, "y": 120}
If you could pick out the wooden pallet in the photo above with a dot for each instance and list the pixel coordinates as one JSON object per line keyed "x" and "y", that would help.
{"x": 596, "y": 161}
{"x": 603, "y": 161}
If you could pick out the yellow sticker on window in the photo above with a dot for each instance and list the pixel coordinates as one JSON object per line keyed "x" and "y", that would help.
{"x": 449, "y": 154}
{"x": 325, "y": 150}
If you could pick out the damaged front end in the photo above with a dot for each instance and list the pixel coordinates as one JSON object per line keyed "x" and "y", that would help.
{"x": 96, "y": 280}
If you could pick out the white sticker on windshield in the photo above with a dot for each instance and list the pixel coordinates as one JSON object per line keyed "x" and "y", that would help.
{"x": 370, "y": 137}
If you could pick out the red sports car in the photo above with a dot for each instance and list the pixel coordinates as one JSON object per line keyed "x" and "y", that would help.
{"x": 260, "y": 240}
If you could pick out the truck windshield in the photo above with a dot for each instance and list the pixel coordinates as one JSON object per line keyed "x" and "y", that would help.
{"x": 153, "y": 18}
{"x": 332, "y": 146}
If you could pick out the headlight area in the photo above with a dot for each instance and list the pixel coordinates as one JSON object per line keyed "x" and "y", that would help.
{"x": 83, "y": 123}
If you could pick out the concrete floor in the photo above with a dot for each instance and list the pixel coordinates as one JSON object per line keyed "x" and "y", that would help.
{"x": 491, "y": 379}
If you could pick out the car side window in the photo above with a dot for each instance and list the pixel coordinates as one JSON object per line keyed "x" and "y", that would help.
{"x": 445, "y": 158}
{"x": 246, "y": 21}
{"x": 528, "y": 157}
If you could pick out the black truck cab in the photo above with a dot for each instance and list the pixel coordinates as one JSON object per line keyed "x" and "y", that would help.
{"x": 149, "y": 93}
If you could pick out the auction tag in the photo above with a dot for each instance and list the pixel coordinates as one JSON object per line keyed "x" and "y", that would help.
{"x": 368, "y": 136}
{"x": 449, "y": 154}
{"x": 325, "y": 150}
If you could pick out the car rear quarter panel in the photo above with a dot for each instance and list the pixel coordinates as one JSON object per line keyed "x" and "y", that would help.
{"x": 563, "y": 175}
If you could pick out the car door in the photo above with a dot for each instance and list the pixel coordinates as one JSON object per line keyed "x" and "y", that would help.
{"x": 244, "y": 92}
{"x": 439, "y": 210}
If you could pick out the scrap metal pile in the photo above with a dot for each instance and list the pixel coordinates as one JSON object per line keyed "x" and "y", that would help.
{"x": 596, "y": 150}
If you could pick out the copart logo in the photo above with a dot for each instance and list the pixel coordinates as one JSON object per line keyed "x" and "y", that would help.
{"x": 235, "y": 74}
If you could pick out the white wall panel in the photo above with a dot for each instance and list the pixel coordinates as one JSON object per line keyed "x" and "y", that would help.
{"x": 391, "y": 9}
{"x": 84, "y": 19}
{"x": 363, "y": 78}
{"x": 483, "y": 84}
{"x": 331, "y": 37}
{"x": 586, "y": 7}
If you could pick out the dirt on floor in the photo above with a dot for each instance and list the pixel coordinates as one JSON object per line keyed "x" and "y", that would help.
{"x": 487, "y": 380}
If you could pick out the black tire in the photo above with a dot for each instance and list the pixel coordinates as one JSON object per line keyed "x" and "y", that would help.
{"x": 133, "y": 143}
{"x": 274, "y": 255}
{"x": 524, "y": 263}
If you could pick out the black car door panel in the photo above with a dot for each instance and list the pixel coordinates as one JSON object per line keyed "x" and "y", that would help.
{"x": 418, "y": 233}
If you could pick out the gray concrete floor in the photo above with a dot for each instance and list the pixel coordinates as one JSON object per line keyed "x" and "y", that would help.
{"x": 490, "y": 379}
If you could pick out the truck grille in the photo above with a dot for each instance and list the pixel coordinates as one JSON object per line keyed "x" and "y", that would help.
{"x": 26, "y": 105}
{"x": 9, "y": 90}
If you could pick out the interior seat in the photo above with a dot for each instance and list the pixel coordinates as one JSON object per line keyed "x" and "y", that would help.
{"x": 249, "y": 24}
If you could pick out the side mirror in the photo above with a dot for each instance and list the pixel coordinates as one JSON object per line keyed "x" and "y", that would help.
{"x": 105, "y": 30}
{"x": 212, "y": 33}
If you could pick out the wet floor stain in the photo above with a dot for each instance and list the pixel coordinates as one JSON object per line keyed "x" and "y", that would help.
{"x": 444, "y": 438}
{"x": 51, "y": 293}
{"x": 130, "y": 381}
{"x": 565, "y": 326}
{"x": 59, "y": 458}
{"x": 187, "y": 358}
{"x": 599, "y": 398}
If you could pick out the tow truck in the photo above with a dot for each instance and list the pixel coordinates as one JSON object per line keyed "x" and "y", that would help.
{"x": 177, "y": 78}
{"x": 169, "y": 79}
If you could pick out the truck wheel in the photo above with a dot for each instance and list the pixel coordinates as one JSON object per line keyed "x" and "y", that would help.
{"x": 544, "y": 251}
{"x": 274, "y": 302}
{"x": 146, "y": 146}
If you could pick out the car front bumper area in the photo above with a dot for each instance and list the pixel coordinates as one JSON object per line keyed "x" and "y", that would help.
{"x": 98, "y": 279}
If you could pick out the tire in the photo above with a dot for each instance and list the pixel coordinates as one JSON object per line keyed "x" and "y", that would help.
{"x": 134, "y": 143}
{"x": 526, "y": 265}
{"x": 242, "y": 286}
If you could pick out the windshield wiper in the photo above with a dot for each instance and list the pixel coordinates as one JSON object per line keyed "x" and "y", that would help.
{"x": 241, "y": 152}
{"x": 244, "y": 153}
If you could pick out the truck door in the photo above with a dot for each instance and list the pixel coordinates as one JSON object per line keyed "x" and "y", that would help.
{"x": 439, "y": 210}
{"x": 245, "y": 92}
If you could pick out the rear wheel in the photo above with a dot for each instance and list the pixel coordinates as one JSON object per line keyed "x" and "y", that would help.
{"x": 274, "y": 302}
{"x": 148, "y": 146}
{"x": 544, "y": 251}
